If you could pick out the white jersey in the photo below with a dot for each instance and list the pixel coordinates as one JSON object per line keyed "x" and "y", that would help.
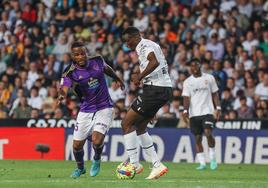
{"x": 200, "y": 91}
{"x": 160, "y": 76}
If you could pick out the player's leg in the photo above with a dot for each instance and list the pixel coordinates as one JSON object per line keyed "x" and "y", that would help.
{"x": 147, "y": 145}
{"x": 78, "y": 152}
{"x": 97, "y": 144}
{"x": 80, "y": 134}
{"x": 200, "y": 152}
{"x": 101, "y": 124}
{"x": 130, "y": 136}
{"x": 153, "y": 99}
{"x": 208, "y": 124}
{"x": 197, "y": 131}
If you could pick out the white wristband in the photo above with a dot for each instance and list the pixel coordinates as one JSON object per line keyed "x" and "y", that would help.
{"x": 185, "y": 111}
{"x": 218, "y": 107}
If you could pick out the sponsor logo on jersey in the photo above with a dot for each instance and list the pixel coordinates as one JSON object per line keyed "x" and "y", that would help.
{"x": 93, "y": 83}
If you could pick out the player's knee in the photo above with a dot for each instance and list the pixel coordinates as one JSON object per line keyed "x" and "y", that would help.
{"x": 77, "y": 145}
{"x": 124, "y": 126}
{"x": 208, "y": 133}
{"x": 97, "y": 141}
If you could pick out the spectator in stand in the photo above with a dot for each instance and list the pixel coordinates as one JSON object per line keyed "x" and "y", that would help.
{"x": 35, "y": 113}
{"x": 216, "y": 47}
{"x": 141, "y": 21}
{"x": 23, "y": 110}
{"x": 261, "y": 91}
{"x": 250, "y": 43}
{"x": 3, "y": 113}
{"x": 227, "y": 101}
{"x": 260, "y": 113}
{"x": 35, "y": 38}
{"x": 115, "y": 92}
{"x": 244, "y": 111}
{"x": 220, "y": 75}
{"x": 35, "y": 101}
{"x": 4, "y": 93}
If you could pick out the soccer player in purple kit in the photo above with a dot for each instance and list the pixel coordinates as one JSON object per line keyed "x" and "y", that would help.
{"x": 86, "y": 77}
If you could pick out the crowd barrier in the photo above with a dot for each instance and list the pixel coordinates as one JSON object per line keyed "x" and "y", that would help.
{"x": 240, "y": 143}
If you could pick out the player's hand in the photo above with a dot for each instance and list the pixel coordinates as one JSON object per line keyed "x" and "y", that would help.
{"x": 60, "y": 99}
{"x": 135, "y": 79}
{"x": 185, "y": 117}
{"x": 217, "y": 114}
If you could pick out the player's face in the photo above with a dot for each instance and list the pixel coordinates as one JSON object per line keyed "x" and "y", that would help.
{"x": 195, "y": 68}
{"x": 130, "y": 42}
{"x": 79, "y": 56}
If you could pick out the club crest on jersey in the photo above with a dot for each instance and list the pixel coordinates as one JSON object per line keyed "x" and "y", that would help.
{"x": 95, "y": 67}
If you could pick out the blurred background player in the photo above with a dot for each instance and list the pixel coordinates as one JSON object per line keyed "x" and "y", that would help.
{"x": 200, "y": 93}
{"x": 157, "y": 91}
{"x": 86, "y": 76}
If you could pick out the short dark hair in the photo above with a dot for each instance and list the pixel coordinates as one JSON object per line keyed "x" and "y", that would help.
{"x": 194, "y": 60}
{"x": 131, "y": 31}
{"x": 77, "y": 44}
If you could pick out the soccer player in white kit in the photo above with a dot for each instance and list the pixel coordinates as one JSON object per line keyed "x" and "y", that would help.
{"x": 200, "y": 95}
{"x": 157, "y": 91}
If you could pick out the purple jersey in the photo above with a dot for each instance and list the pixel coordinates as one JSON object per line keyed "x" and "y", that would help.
{"x": 89, "y": 85}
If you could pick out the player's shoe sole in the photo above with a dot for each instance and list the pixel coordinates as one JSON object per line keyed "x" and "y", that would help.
{"x": 157, "y": 172}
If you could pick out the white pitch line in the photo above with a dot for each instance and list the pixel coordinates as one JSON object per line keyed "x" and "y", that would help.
{"x": 227, "y": 181}
{"x": 137, "y": 181}
{"x": 93, "y": 181}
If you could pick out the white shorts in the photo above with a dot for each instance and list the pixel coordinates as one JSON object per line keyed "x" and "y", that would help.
{"x": 87, "y": 123}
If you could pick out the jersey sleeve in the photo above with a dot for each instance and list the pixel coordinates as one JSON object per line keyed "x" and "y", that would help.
{"x": 213, "y": 85}
{"x": 147, "y": 50}
{"x": 100, "y": 63}
{"x": 185, "y": 90}
{"x": 65, "y": 81}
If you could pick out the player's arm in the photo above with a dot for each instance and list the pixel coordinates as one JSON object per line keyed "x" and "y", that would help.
{"x": 186, "y": 105}
{"x": 216, "y": 98}
{"x": 110, "y": 72}
{"x": 62, "y": 93}
{"x": 216, "y": 101}
{"x": 186, "y": 102}
{"x": 65, "y": 84}
{"x": 152, "y": 65}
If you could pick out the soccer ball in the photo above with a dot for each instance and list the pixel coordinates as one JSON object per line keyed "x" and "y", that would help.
{"x": 125, "y": 170}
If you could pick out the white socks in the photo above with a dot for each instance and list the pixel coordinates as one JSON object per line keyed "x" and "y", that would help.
{"x": 212, "y": 155}
{"x": 132, "y": 147}
{"x": 148, "y": 146}
{"x": 201, "y": 158}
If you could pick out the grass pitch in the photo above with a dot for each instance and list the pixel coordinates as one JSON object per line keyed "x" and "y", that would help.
{"x": 50, "y": 174}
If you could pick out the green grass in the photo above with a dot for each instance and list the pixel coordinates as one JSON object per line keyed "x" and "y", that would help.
{"x": 50, "y": 174}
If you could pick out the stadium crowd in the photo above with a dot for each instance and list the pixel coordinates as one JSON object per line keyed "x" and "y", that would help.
{"x": 230, "y": 37}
